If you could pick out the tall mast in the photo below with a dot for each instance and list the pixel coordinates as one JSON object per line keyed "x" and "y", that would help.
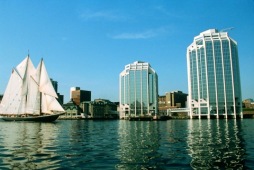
{"x": 25, "y": 76}
{"x": 39, "y": 86}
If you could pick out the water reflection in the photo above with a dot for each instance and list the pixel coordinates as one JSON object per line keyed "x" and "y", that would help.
{"x": 26, "y": 145}
{"x": 173, "y": 144}
{"x": 153, "y": 145}
{"x": 216, "y": 144}
{"x": 88, "y": 144}
{"x": 138, "y": 145}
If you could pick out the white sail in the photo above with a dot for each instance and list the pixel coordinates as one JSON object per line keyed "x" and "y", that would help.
{"x": 15, "y": 96}
{"x": 33, "y": 95}
{"x": 49, "y": 102}
{"x": 29, "y": 91}
{"x": 13, "y": 93}
{"x": 27, "y": 103}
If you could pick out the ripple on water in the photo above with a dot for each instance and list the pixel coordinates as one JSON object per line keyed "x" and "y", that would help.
{"x": 174, "y": 144}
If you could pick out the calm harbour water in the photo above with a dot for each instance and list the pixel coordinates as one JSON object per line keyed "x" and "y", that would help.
{"x": 121, "y": 144}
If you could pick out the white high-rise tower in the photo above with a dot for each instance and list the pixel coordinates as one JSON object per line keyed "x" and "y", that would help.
{"x": 213, "y": 76}
{"x": 138, "y": 90}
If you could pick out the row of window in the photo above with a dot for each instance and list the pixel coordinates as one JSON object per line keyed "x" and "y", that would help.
{"x": 211, "y": 72}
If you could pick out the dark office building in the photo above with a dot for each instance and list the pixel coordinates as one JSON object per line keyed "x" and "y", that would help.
{"x": 1, "y": 97}
{"x": 60, "y": 98}
{"x": 54, "y": 84}
{"x": 79, "y": 96}
{"x": 176, "y": 99}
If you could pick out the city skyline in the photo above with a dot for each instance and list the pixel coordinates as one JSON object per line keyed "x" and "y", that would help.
{"x": 80, "y": 40}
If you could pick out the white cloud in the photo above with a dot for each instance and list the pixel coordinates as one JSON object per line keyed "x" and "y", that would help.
{"x": 106, "y": 15}
{"x": 171, "y": 14}
{"x": 141, "y": 35}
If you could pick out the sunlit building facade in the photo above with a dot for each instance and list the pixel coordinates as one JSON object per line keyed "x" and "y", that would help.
{"x": 79, "y": 96}
{"x": 138, "y": 90}
{"x": 213, "y": 76}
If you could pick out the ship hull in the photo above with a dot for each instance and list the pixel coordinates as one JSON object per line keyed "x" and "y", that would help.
{"x": 43, "y": 118}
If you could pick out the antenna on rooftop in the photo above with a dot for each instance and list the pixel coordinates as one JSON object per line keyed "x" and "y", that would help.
{"x": 226, "y": 29}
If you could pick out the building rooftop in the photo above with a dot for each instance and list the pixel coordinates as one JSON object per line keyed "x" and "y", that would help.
{"x": 210, "y": 31}
{"x": 136, "y": 62}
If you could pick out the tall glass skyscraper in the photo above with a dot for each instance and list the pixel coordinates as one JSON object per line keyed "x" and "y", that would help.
{"x": 214, "y": 76}
{"x": 138, "y": 90}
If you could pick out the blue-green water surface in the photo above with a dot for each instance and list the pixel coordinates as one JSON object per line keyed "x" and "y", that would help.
{"x": 122, "y": 144}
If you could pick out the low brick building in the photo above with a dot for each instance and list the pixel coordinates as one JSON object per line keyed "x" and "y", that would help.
{"x": 99, "y": 108}
{"x": 174, "y": 99}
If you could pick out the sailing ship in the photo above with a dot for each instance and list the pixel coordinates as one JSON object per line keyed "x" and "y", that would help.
{"x": 29, "y": 95}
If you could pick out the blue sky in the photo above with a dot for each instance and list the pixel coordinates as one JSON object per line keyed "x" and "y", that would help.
{"x": 88, "y": 43}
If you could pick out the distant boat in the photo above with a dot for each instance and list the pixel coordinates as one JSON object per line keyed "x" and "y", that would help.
{"x": 162, "y": 117}
{"x": 29, "y": 95}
